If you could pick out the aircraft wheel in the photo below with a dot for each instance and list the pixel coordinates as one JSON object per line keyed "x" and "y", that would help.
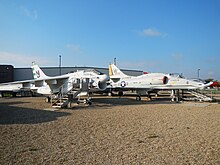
{"x": 138, "y": 98}
{"x": 88, "y": 101}
{"x": 47, "y": 99}
{"x": 13, "y": 94}
{"x": 120, "y": 93}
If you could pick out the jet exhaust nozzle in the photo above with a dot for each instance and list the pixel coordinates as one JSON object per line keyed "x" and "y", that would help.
{"x": 165, "y": 80}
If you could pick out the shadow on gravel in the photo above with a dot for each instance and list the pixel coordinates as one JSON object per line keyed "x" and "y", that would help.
{"x": 108, "y": 102}
{"x": 10, "y": 114}
{"x": 131, "y": 101}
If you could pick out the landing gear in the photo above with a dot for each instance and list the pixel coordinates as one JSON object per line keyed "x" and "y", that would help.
{"x": 89, "y": 101}
{"x": 48, "y": 99}
{"x": 138, "y": 98}
{"x": 175, "y": 95}
{"x": 85, "y": 101}
{"x": 14, "y": 94}
{"x": 120, "y": 93}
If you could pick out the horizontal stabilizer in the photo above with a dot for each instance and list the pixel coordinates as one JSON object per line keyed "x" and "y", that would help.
{"x": 39, "y": 83}
{"x": 51, "y": 82}
{"x": 26, "y": 85}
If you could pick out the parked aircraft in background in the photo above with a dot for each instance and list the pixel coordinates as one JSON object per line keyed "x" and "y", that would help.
{"x": 13, "y": 89}
{"x": 25, "y": 86}
{"x": 146, "y": 83}
{"x": 141, "y": 84}
{"x": 176, "y": 81}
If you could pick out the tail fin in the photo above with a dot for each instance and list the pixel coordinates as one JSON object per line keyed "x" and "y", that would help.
{"x": 114, "y": 71}
{"x": 37, "y": 72}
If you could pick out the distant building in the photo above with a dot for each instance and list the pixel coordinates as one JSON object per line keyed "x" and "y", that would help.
{"x": 6, "y": 73}
{"x": 19, "y": 74}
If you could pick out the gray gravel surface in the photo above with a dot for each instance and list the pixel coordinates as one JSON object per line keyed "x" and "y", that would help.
{"x": 110, "y": 131}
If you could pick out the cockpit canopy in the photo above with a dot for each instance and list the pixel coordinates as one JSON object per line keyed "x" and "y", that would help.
{"x": 92, "y": 71}
{"x": 176, "y": 75}
{"x": 197, "y": 80}
{"x": 89, "y": 71}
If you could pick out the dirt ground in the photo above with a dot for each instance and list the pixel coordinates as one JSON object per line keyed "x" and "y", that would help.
{"x": 111, "y": 131}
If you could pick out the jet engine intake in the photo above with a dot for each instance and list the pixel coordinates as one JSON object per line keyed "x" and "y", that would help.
{"x": 102, "y": 85}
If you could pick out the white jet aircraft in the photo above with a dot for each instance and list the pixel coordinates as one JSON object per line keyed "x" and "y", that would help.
{"x": 141, "y": 84}
{"x": 97, "y": 80}
{"x": 149, "y": 82}
{"x": 51, "y": 85}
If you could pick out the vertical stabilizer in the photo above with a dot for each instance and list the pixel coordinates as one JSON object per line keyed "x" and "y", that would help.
{"x": 37, "y": 72}
{"x": 114, "y": 71}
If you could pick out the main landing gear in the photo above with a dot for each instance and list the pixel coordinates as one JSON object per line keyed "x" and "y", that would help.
{"x": 138, "y": 98}
{"x": 85, "y": 101}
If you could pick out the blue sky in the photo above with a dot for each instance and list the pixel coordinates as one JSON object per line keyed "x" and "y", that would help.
{"x": 178, "y": 36}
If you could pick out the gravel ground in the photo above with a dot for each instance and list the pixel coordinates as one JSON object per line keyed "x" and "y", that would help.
{"x": 111, "y": 131}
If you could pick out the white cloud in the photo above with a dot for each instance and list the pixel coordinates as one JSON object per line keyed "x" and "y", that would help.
{"x": 140, "y": 65}
{"x": 75, "y": 49}
{"x": 210, "y": 74}
{"x": 150, "y": 32}
{"x": 21, "y": 60}
{"x": 29, "y": 13}
{"x": 132, "y": 65}
{"x": 177, "y": 56}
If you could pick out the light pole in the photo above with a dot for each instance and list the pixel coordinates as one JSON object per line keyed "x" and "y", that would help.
{"x": 115, "y": 61}
{"x": 198, "y": 72}
{"x": 60, "y": 64}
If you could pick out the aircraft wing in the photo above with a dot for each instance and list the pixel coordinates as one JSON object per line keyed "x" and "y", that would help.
{"x": 50, "y": 80}
{"x": 172, "y": 87}
{"x": 10, "y": 86}
{"x": 182, "y": 86}
{"x": 132, "y": 88}
{"x": 17, "y": 85}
